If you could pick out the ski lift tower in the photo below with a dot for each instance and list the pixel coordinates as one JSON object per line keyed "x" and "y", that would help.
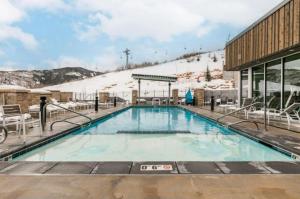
{"x": 127, "y": 53}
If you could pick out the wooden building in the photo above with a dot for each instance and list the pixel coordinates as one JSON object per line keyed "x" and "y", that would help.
{"x": 267, "y": 54}
{"x": 275, "y": 34}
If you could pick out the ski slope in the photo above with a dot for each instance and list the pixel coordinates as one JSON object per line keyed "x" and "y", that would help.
{"x": 190, "y": 73}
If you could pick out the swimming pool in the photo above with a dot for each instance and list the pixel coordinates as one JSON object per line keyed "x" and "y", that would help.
{"x": 154, "y": 134}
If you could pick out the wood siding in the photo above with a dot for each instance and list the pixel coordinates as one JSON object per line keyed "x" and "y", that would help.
{"x": 275, "y": 33}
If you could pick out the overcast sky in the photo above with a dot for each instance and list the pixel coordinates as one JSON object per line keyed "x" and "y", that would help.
{"x": 93, "y": 33}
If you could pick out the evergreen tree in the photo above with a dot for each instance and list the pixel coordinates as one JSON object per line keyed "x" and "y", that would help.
{"x": 215, "y": 59}
{"x": 207, "y": 75}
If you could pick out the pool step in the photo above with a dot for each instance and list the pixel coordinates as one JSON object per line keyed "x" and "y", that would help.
{"x": 153, "y": 132}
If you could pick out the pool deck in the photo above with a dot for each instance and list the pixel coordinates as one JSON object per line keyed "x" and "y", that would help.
{"x": 126, "y": 179}
{"x": 151, "y": 187}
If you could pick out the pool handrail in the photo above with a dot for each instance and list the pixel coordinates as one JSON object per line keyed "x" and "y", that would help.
{"x": 65, "y": 120}
{"x": 242, "y": 121}
{"x": 236, "y": 111}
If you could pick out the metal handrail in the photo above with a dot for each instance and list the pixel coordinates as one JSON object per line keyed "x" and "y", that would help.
{"x": 243, "y": 121}
{"x": 243, "y": 108}
{"x": 65, "y": 120}
{"x": 3, "y": 128}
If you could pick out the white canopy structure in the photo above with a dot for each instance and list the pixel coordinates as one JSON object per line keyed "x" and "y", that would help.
{"x": 159, "y": 78}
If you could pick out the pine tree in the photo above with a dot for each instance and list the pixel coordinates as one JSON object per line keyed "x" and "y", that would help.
{"x": 215, "y": 59}
{"x": 207, "y": 75}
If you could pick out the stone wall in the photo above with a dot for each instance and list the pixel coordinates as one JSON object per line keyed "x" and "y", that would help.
{"x": 199, "y": 97}
{"x": 36, "y": 96}
{"x": 175, "y": 96}
{"x": 134, "y": 97}
{"x": 55, "y": 95}
{"x": 66, "y": 96}
{"x": 21, "y": 97}
{"x": 103, "y": 97}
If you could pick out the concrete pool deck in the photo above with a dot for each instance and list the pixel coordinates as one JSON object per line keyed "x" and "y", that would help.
{"x": 151, "y": 187}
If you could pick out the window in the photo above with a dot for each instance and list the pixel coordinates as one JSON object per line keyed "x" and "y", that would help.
{"x": 273, "y": 85}
{"x": 244, "y": 82}
{"x": 258, "y": 83}
{"x": 291, "y": 80}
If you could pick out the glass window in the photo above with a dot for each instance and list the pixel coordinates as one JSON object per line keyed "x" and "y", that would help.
{"x": 291, "y": 80}
{"x": 273, "y": 84}
{"x": 258, "y": 83}
{"x": 244, "y": 82}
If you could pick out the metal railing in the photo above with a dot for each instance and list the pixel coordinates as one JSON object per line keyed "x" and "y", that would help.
{"x": 65, "y": 120}
{"x": 243, "y": 121}
{"x": 3, "y": 134}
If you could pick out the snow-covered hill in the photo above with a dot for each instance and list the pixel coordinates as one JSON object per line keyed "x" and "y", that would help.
{"x": 42, "y": 78}
{"x": 190, "y": 71}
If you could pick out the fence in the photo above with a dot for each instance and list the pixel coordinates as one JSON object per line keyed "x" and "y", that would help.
{"x": 224, "y": 95}
{"x": 77, "y": 96}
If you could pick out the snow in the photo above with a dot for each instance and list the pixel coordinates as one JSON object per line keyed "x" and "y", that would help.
{"x": 11, "y": 87}
{"x": 40, "y": 91}
{"x": 76, "y": 74}
{"x": 190, "y": 73}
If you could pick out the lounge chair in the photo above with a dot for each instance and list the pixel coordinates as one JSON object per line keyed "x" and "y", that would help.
{"x": 156, "y": 101}
{"x": 291, "y": 113}
{"x": 230, "y": 102}
{"x": 142, "y": 101}
{"x": 218, "y": 101}
{"x": 51, "y": 110}
{"x": 13, "y": 116}
{"x": 246, "y": 102}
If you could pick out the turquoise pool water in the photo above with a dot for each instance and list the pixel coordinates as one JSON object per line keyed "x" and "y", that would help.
{"x": 206, "y": 142}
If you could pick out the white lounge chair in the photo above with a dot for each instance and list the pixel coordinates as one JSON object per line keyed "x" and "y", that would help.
{"x": 246, "y": 102}
{"x": 156, "y": 101}
{"x": 291, "y": 113}
{"x": 142, "y": 101}
{"x": 13, "y": 116}
{"x": 51, "y": 110}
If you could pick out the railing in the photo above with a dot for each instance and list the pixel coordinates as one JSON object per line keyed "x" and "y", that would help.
{"x": 243, "y": 108}
{"x": 3, "y": 134}
{"x": 243, "y": 121}
{"x": 65, "y": 120}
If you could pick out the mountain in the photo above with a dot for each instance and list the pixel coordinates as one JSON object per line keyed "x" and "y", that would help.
{"x": 42, "y": 78}
{"x": 190, "y": 71}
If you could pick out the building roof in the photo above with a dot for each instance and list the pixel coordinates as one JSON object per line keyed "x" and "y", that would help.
{"x": 155, "y": 78}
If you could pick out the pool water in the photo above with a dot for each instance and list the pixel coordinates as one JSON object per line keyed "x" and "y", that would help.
{"x": 206, "y": 141}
